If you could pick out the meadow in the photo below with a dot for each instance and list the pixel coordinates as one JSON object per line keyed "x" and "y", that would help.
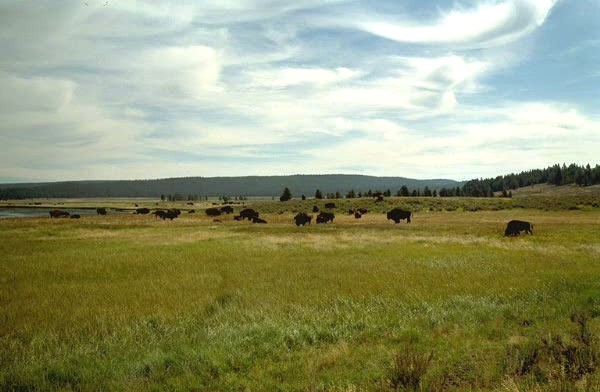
{"x": 446, "y": 303}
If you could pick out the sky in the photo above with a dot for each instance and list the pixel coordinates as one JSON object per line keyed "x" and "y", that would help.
{"x": 421, "y": 89}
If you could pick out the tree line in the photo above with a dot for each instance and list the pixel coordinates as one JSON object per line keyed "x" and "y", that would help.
{"x": 554, "y": 175}
{"x": 484, "y": 187}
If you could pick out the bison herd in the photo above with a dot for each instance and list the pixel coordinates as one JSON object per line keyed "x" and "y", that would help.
{"x": 397, "y": 215}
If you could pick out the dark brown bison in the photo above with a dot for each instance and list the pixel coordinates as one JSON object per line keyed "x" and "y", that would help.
{"x": 58, "y": 214}
{"x": 362, "y": 211}
{"x": 248, "y": 213}
{"x": 158, "y": 213}
{"x": 171, "y": 214}
{"x": 325, "y": 217}
{"x": 101, "y": 211}
{"x": 191, "y": 211}
{"x": 213, "y": 212}
{"x": 75, "y": 216}
{"x": 315, "y": 209}
{"x": 516, "y": 227}
{"x": 237, "y": 218}
{"x": 330, "y": 205}
{"x": 227, "y": 210}
{"x": 258, "y": 220}
{"x": 302, "y": 219}
{"x": 357, "y": 215}
{"x": 397, "y": 215}
{"x": 142, "y": 211}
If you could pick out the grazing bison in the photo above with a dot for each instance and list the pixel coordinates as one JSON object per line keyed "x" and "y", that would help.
{"x": 142, "y": 211}
{"x": 191, "y": 211}
{"x": 159, "y": 214}
{"x": 350, "y": 212}
{"x": 101, "y": 211}
{"x": 258, "y": 220}
{"x": 357, "y": 215}
{"x": 227, "y": 210}
{"x": 171, "y": 214}
{"x": 237, "y": 218}
{"x": 302, "y": 219}
{"x": 515, "y": 227}
{"x": 213, "y": 212}
{"x": 248, "y": 213}
{"x": 325, "y": 217}
{"x": 362, "y": 211}
{"x": 397, "y": 215}
{"x": 75, "y": 216}
{"x": 58, "y": 214}
{"x": 329, "y": 205}
{"x": 315, "y": 209}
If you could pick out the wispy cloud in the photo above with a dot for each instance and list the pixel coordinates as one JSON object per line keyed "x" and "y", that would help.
{"x": 145, "y": 89}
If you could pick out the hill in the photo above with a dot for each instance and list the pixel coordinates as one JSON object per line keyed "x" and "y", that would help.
{"x": 217, "y": 186}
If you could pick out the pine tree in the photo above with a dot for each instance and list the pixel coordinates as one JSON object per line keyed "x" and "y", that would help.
{"x": 318, "y": 194}
{"x": 286, "y": 195}
{"x": 404, "y": 191}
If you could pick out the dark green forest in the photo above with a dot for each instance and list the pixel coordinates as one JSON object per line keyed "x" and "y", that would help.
{"x": 319, "y": 186}
{"x": 201, "y": 187}
{"x": 554, "y": 175}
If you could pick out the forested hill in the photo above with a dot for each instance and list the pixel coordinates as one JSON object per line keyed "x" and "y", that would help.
{"x": 555, "y": 175}
{"x": 218, "y": 186}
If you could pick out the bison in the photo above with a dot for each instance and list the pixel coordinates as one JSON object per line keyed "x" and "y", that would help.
{"x": 58, "y": 214}
{"x": 330, "y": 205}
{"x": 350, "y": 212}
{"x": 227, "y": 210}
{"x": 213, "y": 212}
{"x": 397, "y": 215}
{"x": 248, "y": 213}
{"x": 159, "y": 213}
{"x": 325, "y": 217}
{"x": 515, "y": 227}
{"x": 362, "y": 211}
{"x": 142, "y": 211}
{"x": 237, "y": 218}
{"x": 357, "y": 215}
{"x": 378, "y": 198}
{"x": 171, "y": 214}
{"x": 101, "y": 211}
{"x": 191, "y": 211}
{"x": 256, "y": 219}
{"x": 75, "y": 216}
{"x": 302, "y": 219}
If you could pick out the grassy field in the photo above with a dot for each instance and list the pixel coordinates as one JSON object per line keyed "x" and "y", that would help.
{"x": 128, "y": 302}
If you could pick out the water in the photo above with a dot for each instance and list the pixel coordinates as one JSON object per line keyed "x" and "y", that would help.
{"x": 37, "y": 212}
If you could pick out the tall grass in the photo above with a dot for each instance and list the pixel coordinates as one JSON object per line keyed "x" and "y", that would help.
{"x": 133, "y": 303}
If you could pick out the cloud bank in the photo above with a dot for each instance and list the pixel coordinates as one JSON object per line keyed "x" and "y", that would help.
{"x": 145, "y": 90}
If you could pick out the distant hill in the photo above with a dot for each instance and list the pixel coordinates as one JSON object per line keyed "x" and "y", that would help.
{"x": 554, "y": 190}
{"x": 218, "y": 186}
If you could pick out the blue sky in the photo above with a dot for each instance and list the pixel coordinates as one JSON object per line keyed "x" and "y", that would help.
{"x": 423, "y": 89}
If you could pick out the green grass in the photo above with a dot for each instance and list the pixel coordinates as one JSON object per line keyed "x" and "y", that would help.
{"x": 126, "y": 302}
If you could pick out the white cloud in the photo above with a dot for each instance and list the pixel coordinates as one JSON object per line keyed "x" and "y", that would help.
{"x": 296, "y": 76}
{"x": 488, "y": 24}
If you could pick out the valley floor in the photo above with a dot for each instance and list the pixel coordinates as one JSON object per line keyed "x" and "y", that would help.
{"x": 129, "y": 302}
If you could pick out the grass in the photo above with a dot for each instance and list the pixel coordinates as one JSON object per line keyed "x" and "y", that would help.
{"x": 127, "y": 302}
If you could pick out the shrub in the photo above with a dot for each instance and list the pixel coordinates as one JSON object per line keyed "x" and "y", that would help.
{"x": 408, "y": 369}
